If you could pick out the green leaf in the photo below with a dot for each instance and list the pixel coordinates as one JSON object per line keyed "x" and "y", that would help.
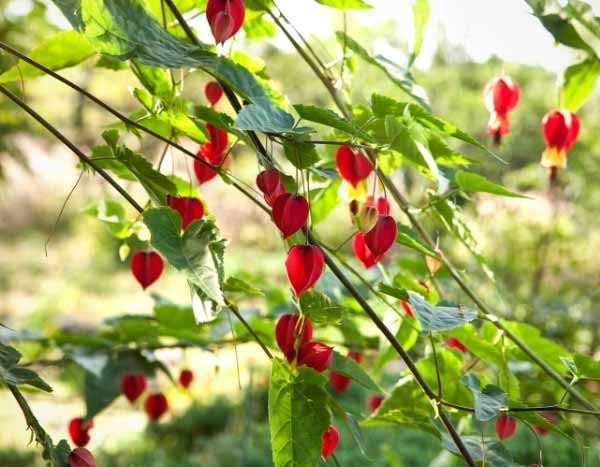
{"x": 174, "y": 316}
{"x": 263, "y": 116}
{"x": 112, "y": 214}
{"x": 346, "y": 4}
{"x": 235, "y": 285}
{"x": 579, "y": 83}
{"x": 348, "y": 367}
{"x": 587, "y": 367}
{"x": 62, "y": 50}
{"x": 469, "y": 181}
{"x": 421, "y": 14}
{"x": 196, "y": 253}
{"x": 483, "y": 348}
{"x": 14, "y": 375}
{"x": 439, "y": 318}
{"x": 323, "y": 201}
{"x": 259, "y": 28}
{"x": 320, "y": 308}
{"x": 488, "y": 449}
{"x": 298, "y": 415}
{"x": 563, "y": 32}
{"x": 408, "y": 237}
{"x": 154, "y": 79}
{"x": 488, "y": 401}
{"x": 350, "y": 422}
{"x": 300, "y": 152}
{"x": 330, "y": 119}
{"x": 398, "y": 76}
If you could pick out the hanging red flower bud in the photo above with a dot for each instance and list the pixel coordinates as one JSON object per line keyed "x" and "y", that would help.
{"x": 560, "y": 128}
{"x": 204, "y": 173}
{"x": 454, "y": 343}
{"x": 505, "y": 426}
{"x": 341, "y": 382}
{"x": 304, "y": 265}
{"x": 225, "y": 18}
{"x": 289, "y": 329}
{"x": 330, "y": 439}
{"x": 382, "y": 236}
{"x": 81, "y": 457}
{"x": 352, "y": 166}
{"x": 362, "y": 252}
{"x": 190, "y": 209}
{"x": 269, "y": 182}
{"x": 407, "y": 308}
{"x": 501, "y": 96}
{"x": 79, "y": 431}
{"x": 133, "y": 385}
{"x": 156, "y": 406}
{"x": 290, "y": 213}
{"x": 374, "y": 402}
{"x": 186, "y": 377}
{"x": 316, "y": 355}
{"x": 146, "y": 267}
{"x": 218, "y": 139}
{"x": 381, "y": 204}
{"x": 213, "y": 92}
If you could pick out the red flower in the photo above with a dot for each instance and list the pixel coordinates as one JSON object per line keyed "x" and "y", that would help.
{"x": 79, "y": 431}
{"x": 454, "y": 343}
{"x": 81, "y": 457}
{"x": 505, "y": 426}
{"x": 213, "y": 92}
{"x": 133, "y": 385}
{"x": 304, "y": 265}
{"x": 156, "y": 406}
{"x": 381, "y": 204}
{"x": 269, "y": 183}
{"x": 501, "y": 96}
{"x": 560, "y": 128}
{"x": 315, "y": 355}
{"x": 374, "y": 402}
{"x": 362, "y": 252}
{"x": 190, "y": 209}
{"x": 146, "y": 267}
{"x": 331, "y": 439}
{"x": 341, "y": 382}
{"x": 290, "y": 213}
{"x": 352, "y": 166}
{"x": 225, "y": 18}
{"x": 288, "y": 330}
{"x": 382, "y": 236}
{"x": 186, "y": 377}
{"x": 407, "y": 308}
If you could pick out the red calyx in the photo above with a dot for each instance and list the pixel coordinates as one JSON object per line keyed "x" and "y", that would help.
{"x": 79, "y": 431}
{"x": 304, "y": 265}
{"x": 218, "y": 138}
{"x": 543, "y": 431}
{"x": 213, "y": 92}
{"x": 352, "y": 166}
{"x": 225, "y": 18}
{"x": 454, "y": 343}
{"x": 316, "y": 355}
{"x": 212, "y": 152}
{"x": 341, "y": 382}
{"x": 505, "y": 426}
{"x": 133, "y": 385}
{"x": 501, "y": 96}
{"x": 81, "y": 457}
{"x": 560, "y": 129}
{"x": 269, "y": 182}
{"x": 190, "y": 209}
{"x": 362, "y": 252}
{"x": 382, "y": 236}
{"x": 290, "y": 213}
{"x": 407, "y": 308}
{"x": 156, "y": 406}
{"x": 330, "y": 439}
{"x": 381, "y": 204}
{"x": 146, "y": 267}
{"x": 374, "y": 403}
{"x": 289, "y": 330}
{"x": 186, "y": 377}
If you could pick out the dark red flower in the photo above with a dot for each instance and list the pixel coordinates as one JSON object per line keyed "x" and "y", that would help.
{"x": 407, "y": 308}
{"x": 560, "y": 128}
{"x": 156, "y": 406}
{"x": 213, "y": 92}
{"x": 146, "y": 267}
{"x": 331, "y": 439}
{"x": 79, "y": 431}
{"x": 341, "y": 382}
{"x": 290, "y": 329}
{"x": 382, "y": 236}
{"x": 219, "y": 140}
{"x": 505, "y": 426}
{"x": 186, "y": 377}
{"x": 81, "y": 457}
{"x": 374, "y": 402}
{"x": 290, "y": 213}
{"x": 352, "y": 166}
{"x": 362, "y": 252}
{"x": 304, "y": 265}
{"x": 225, "y": 18}
{"x": 269, "y": 183}
{"x": 501, "y": 96}
{"x": 133, "y": 385}
{"x": 190, "y": 209}
{"x": 316, "y": 355}
{"x": 454, "y": 343}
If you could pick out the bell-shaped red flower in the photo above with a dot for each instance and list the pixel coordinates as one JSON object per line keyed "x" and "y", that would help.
{"x": 374, "y": 402}
{"x": 407, "y": 308}
{"x": 304, "y": 265}
{"x": 454, "y": 343}
{"x": 330, "y": 439}
{"x": 79, "y": 431}
{"x": 225, "y": 18}
{"x": 81, "y": 457}
{"x": 382, "y": 236}
{"x": 501, "y": 96}
{"x": 156, "y": 406}
{"x": 186, "y": 377}
{"x": 290, "y": 213}
{"x": 352, "y": 166}
{"x": 133, "y": 385}
{"x": 269, "y": 183}
{"x": 505, "y": 426}
{"x": 190, "y": 209}
{"x": 560, "y": 128}
{"x": 202, "y": 171}
{"x": 218, "y": 139}
{"x": 316, "y": 355}
{"x": 146, "y": 267}
{"x": 381, "y": 204}
{"x": 213, "y": 92}
{"x": 340, "y": 382}
{"x": 362, "y": 252}
{"x": 291, "y": 332}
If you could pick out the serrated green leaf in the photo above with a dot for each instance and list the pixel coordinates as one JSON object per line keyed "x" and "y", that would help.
{"x": 330, "y": 119}
{"x": 259, "y": 28}
{"x": 266, "y": 117}
{"x": 488, "y": 401}
{"x": 320, "y": 308}
{"x": 469, "y": 181}
{"x": 579, "y": 83}
{"x": 300, "y": 152}
{"x": 348, "y": 367}
{"x": 488, "y": 449}
{"x": 14, "y": 375}
{"x": 408, "y": 237}
{"x": 323, "y": 201}
{"x": 235, "y": 285}
{"x": 587, "y": 367}
{"x": 563, "y": 32}
{"x": 439, "y": 318}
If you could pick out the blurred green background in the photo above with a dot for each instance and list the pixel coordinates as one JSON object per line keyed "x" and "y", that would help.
{"x": 544, "y": 259}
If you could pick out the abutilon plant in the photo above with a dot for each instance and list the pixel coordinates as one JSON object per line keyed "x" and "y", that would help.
{"x": 501, "y": 96}
{"x": 316, "y": 355}
{"x": 290, "y": 213}
{"x": 133, "y": 386}
{"x": 382, "y": 236}
{"x": 304, "y": 265}
{"x": 560, "y": 129}
{"x": 291, "y": 332}
{"x": 454, "y": 343}
{"x": 186, "y": 376}
{"x": 214, "y": 152}
{"x": 362, "y": 251}
{"x": 269, "y": 183}
{"x": 407, "y": 308}
{"x": 330, "y": 440}
{"x": 81, "y": 457}
{"x": 190, "y": 209}
{"x": 79, "y": 431}
{"x": 225, "y": 18}
{"x": 374, "y": 402}
{"x": 213, "y": 92}
{"x": 352, "y": 166}
{"x": 146, "y": 267}
{"x": 340, "y": 382}
{"x": 156, "y": 405}
{"x": 505, "y": 426}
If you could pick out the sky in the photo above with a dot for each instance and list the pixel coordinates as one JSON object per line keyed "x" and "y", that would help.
{"x": 483, "y": 28}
